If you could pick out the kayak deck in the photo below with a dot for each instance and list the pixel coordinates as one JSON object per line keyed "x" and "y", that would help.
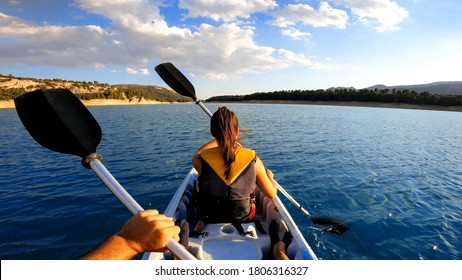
{"x": 223, "y": 241}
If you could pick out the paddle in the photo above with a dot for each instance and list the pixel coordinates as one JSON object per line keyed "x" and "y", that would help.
{"x": 58, "y": 121}
{"x": 179, "y": 83}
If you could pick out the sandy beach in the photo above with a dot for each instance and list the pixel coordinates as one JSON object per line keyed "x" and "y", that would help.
{"x": 96, "y": 102}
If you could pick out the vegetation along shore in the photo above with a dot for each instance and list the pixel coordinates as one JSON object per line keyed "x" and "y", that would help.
{"x": 372, "y": 97}
{"x": 90, "y": 93}
{"x": 98, "y": 94}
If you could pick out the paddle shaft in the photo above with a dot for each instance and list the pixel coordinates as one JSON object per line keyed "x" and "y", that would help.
{"x": 115, "y": 187}
{"x": 206, "y": 110}
{"x": 291, "y": 199}
{"x": 280, "y": 188}
{"x": 131, "y": 204}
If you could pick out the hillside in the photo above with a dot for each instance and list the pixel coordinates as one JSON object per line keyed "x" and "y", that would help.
{"x": 443, "y": 94}
{"x": 442, "y": 88}
{"x": 156, "y": 92}
{"x": 11, "y": 87}
{"x": 376, "y": 95}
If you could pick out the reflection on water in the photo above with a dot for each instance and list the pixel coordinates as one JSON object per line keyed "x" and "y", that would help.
{"x": 393, "y": 175}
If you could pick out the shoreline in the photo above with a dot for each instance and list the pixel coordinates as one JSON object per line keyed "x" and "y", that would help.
{"x": 8, "y": 104}
{"x": 354, "y": 104}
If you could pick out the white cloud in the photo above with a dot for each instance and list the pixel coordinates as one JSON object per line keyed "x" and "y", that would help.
{"x": 136, "y": 36}
{"x": 221, "y": 50}
{"x": 296, "y": 34}
{"x": 325, "y": 15}
{"x": 228, "y": 48}
{"x": 384, "y": 14}
{"x": 56, "y": 45}
{"x": 228, "y": 10}
{"x": 131, "y": 71}
{"x": 290, "y": 58}
{"x": 144, "y": 71}
{"x": 124, "y": 11}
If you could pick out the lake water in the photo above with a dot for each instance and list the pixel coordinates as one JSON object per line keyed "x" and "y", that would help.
{"x": 393, "y": 175}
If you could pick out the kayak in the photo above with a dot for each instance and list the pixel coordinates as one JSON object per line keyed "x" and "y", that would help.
{"x": 223, "y": 241}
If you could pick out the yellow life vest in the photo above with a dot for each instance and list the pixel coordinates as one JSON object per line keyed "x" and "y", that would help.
{"x": 227, "y": 200}
{"x": 214, "y": 158}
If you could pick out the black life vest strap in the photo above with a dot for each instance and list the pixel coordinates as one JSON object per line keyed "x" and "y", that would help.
{"x": 240, "y": 229}
{"x": 198, "y": 229}
{"x": 259, "y": 227}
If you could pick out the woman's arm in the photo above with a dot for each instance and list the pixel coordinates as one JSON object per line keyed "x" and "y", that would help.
{"x": 196, "y": 159}
{"x": 265, "y": 179}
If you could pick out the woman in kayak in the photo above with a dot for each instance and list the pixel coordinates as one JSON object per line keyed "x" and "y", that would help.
{"x": 222, "y": 165}
{"x": 227, "y": 176}
{"x": 228, "y": 171}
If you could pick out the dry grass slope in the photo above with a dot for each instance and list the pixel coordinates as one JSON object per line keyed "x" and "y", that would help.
{"x": 88, "y": 92}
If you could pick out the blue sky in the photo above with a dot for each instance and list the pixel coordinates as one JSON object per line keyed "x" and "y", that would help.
{"x": 235, "y": 46}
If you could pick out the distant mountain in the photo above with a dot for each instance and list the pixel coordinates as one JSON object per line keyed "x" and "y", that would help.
{"x": 443, "y": 88}
{"x": 334, "y": 88}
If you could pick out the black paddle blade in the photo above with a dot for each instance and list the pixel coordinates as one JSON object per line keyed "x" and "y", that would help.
{"x": 57, "y": 120}
{"x": 175, "y": 79}
{"x": 331, "y": 225}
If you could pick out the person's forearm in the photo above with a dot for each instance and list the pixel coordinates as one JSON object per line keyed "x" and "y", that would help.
{"x": 114, "y": 248}
{"x": 270, "y": 175}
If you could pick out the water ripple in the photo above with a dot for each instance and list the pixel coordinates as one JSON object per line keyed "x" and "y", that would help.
{"x": 392, "y": 175}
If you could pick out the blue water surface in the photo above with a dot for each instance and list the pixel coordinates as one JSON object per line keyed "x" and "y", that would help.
{"x": 393, "y": 175}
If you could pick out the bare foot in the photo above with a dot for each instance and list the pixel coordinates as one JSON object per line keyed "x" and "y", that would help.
{"x": 279, "y": 251}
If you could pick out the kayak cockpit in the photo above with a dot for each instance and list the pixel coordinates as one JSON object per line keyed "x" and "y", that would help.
{"x": 223, "y": 241}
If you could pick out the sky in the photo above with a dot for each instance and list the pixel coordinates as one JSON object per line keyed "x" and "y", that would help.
{"x": 235, "y": 46}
